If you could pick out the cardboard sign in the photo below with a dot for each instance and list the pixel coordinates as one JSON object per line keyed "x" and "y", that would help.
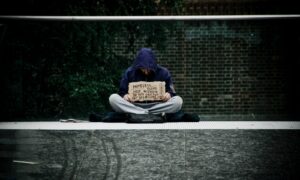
{"x": 146, "y": 91}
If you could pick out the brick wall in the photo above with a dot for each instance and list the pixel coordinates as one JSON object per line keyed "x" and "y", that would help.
{"x": 221, "y": 7}
{"x": 232, "y": 67}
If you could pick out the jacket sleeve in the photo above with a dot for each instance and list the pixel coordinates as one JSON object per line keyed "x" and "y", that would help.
{"x": 123, "y": 90}
{"x": 169, "y": 85}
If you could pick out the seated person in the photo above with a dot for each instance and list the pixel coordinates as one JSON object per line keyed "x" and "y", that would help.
{"x": 145, "y": 68}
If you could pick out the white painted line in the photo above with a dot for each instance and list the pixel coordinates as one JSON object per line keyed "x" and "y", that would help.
{"x": 25, "y": 162}
{"x": 151, "y": 18}
{"x": 283, "y": 125}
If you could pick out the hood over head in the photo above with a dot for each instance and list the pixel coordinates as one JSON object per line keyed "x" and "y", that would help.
{"x": 145, "y": 59}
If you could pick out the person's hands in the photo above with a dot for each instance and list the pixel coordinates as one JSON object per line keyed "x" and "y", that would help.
{"x": 166, "y": 97}
{"x": 127, "y": 97}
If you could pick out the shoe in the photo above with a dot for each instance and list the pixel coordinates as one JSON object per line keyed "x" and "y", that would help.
{"x": 111, "y": 117}
{"x": 175, "y": 117}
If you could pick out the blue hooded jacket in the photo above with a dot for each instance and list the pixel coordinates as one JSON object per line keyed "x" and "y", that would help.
{"x": 146, "y": 59}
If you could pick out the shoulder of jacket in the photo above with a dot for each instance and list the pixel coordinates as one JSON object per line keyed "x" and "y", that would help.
{"x": 129, "y": 69}
{"x": 162, "y": 69}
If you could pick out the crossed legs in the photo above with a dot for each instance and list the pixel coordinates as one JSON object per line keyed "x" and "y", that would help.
{"x": 119, "y": 104}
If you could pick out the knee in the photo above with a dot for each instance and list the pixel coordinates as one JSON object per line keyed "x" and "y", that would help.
{"x": 114, "y": 98}
{"x": 177, "y": 101}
